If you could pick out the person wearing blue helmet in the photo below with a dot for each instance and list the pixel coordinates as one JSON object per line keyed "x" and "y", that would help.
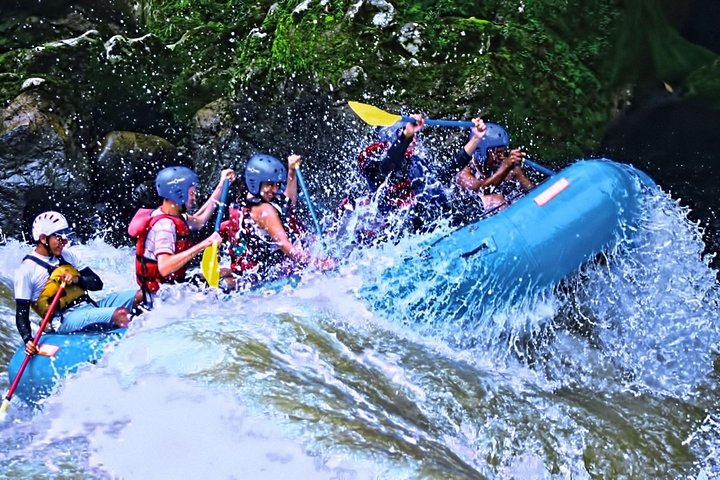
{"x": 401, "y": 179}
{"x": 265, "y": 236}
{"x": 495, "y": 169}
{"x": 393, "y": 168}
{"x": 163, "y": 247}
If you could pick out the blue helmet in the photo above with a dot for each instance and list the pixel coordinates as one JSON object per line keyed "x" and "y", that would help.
{"x": 173, "y": 183}
{"x": 388, "y": 135}
{"x": 495, "y": 136}
{"x": 391, "y": 133}
{"x": 263, "y": 168}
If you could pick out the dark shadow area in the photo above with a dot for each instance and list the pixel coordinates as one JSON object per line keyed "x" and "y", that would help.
{"x": 678, "y": 144}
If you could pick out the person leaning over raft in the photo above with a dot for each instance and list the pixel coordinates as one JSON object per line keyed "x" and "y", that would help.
{"x": 265, "y": 236}
{"x": 494, "y": 168}
{"x": 51, "y": 263}
{"x": 163, "y": 247}
{"x": 401, "y": 178}
{"x": 468, "y": 183}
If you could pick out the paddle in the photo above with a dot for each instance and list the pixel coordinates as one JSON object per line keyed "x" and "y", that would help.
{"x": 210, "y": 264}
{"x": 304, "y": 189}
{"x": 48, "y": 315}
{"x": 380, "y": 118}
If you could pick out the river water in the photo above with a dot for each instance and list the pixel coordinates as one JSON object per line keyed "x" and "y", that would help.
{"x": 611, "y": 375}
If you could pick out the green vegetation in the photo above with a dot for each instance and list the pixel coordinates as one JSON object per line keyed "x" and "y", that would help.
{"x": 548, "y": 69}
{"x": 537, "y": 70}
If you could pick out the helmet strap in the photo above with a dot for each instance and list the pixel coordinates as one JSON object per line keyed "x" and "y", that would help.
{"x": 46, "y": 246}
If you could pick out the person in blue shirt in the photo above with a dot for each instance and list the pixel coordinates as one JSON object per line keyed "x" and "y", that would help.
{"x": 401, "y": 179}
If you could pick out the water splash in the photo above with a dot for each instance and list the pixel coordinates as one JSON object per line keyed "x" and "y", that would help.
{"x": 314, "y": 382}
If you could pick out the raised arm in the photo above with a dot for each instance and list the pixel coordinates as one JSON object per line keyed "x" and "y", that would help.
{"x": 394, "y": 159}
{"x": 291, "y": 185}
{"x": 463, "y": 157}
{"x": 198, "y": 220}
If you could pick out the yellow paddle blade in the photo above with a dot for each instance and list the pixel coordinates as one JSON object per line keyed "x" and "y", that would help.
{"x": 210, "y": 266}
{"x": 373, "y": 115}
{"x": 4, "y": 409}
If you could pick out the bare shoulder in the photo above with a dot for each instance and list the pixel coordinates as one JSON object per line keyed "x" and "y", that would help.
{"x": 263, "y": 211}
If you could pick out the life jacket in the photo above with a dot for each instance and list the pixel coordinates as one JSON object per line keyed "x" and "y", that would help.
{"x": 147, "y": 273}
{"x": 71, "y": 296}
{"x": 251, "y": 252}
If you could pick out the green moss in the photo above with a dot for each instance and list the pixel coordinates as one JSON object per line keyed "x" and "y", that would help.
{"x": 536, "y": 79}
{"x": 12, "y": 74}
{"x": 540, "y": 67}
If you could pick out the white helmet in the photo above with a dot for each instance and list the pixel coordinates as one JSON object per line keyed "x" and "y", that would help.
{"x": 50, "y": 223}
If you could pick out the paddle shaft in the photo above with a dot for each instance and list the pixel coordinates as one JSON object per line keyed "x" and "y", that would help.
{"x": 41, "y": 329}
{"x": 465, "y": 124}
{"x": 375, "y": 116}
{"x": 539, "y": 168}
{"x": 304, "y": 189}
{"x": 221, "y": 207}
{"x": 442, "y": 123}
{"x": 209, "y": 264}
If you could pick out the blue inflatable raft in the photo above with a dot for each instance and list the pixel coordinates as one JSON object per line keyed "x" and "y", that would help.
{"x": 467, "y": 275}
{"x": 533, "y": 244}
{"x": 61, "y": 355}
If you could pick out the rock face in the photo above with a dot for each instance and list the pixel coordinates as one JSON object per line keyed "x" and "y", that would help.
{"x": 43, "y": 167}
{"x": 123, "y": 177}
{"x": 225, "y": 133}
{"x": 40, "y": 165}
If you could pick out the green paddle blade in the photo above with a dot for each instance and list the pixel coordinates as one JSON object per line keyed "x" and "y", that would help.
{"x": 211, "y": 266}
{"x": 373, "y": 115}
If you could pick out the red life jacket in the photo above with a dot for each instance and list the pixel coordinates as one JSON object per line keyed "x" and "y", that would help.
{"x": 234, "y": 233}
{"x": 147, "y": 272}
{"x": 398, "y": 194}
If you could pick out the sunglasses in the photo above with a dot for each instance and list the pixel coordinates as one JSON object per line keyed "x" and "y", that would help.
{"x": 499, "y": 151}
{"x": 63, "y": 235}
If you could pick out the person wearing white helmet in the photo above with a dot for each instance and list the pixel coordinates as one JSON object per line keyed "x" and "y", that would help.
{"x": 39, "y": 277}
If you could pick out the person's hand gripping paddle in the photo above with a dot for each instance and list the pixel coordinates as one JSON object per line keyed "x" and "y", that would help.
{"x": 48, "y": 315}
{"x": 210, "y": 264}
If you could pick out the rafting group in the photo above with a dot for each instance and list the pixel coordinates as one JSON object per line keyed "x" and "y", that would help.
{"x": 265, "y": 239}
{"x": 541, "y": 234}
